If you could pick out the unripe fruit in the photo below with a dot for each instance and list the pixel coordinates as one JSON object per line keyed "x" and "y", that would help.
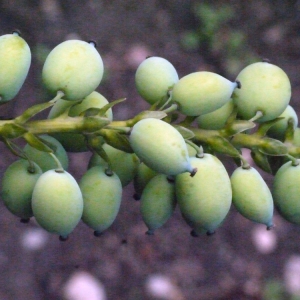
{"x": 251, "y": 196}
{"x": 44, "y": 159}
{"x": 124, "y": 164}
{"x": 73, "y": 67}
{"x": 15, "y": 59}
{"x": 102, "y": 195}
{"x": 202, "y": 92}
{"x": 157, "y": 202}
{"x": 277, "y": 131}
{"x": 154, "y": 77}
{"x": 286, "y": 191}
{"x": 205, "y": 199}
{"x": 57, "y": 202}
{"x": 160, "y": 146}
{"x": 264, "y": 87}
{"x": 75, "y": 142}
{"x": 143, "y": 175}
{"x": 17, "y": 186}
{"x": 216, "y": 119}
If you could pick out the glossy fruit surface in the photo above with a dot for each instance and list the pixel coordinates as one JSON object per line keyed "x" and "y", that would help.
{"x": 157, "y": 202}
{"x": 205, "y": 199}
{"x": 73, "y": 67}
{"x": 57, "y": 202}
{"x": 286, "y": 191}
{"x": 15, "y": 59}
{"x": 124, "y": 164}
{"x": 264, "y": 87}
{"x": 75, "y": 142}
{"x": 102, "y": 195}
{"x": 202, "y": 92}
{"x": 154, "y": 77}
{"x": 18, "y": 182}
{"x": 160, "y": 146}
{"x": 251, "y": 196}
{"x": 44, "y": 159}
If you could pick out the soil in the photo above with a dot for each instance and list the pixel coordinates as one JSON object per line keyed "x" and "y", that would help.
{"x": 239, "y": 260}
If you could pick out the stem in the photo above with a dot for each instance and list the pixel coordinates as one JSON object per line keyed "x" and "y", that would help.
{"x": 58, "y": 96}
{"x": 59, "y": 168}
{"x": 173, "y": 107}
{"x": 295, "y": 161}
{"x": 200, "y": 153}
{"x": 258, "y": 115}
{"x": 245, "y": 164}
{"x": 168, "y": 100}
{"x": 69, "y": 124}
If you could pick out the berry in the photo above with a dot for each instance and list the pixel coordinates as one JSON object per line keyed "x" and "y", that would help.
{"x": 160, "y": 146}
{"x": 202, "y": 92}
{"x": 264, "y": 87}
{"x": 18, "y": 182}
{"x": 205, "y": 199}
{"x": 154, "y": 77}
{"x": 73, "y": 67}
{"x": 143, "y": 175}
{"x": 277, "y": 131}
{"x": 216, "y": 119}
{"x": 157, "y": 202}
{"x": 57, "y": 202}
{"x": 286, "y": 190}
{"x": 15, "y": 60}
{"x": 102, "y": 195}
{"x": 251, "y": 196}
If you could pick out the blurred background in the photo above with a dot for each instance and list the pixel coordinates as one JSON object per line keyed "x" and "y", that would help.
{"x": 242, "y": 260}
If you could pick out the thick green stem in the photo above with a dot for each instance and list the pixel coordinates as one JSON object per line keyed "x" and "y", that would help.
{"x": 74, "y": 124}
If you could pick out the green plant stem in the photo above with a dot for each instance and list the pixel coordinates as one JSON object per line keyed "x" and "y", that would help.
{"x": 74, "y": 124}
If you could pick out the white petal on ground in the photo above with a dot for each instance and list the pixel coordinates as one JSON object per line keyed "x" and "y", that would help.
{"x": 34, "y": 239}
{"x": 162, "y": 287}
{"x": 292, "y": 275}
{"x": 83, "y": 286}
{"x": 265, "y": 241}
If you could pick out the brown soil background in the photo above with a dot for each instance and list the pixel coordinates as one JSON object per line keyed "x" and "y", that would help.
{"x": 227, "y": 265}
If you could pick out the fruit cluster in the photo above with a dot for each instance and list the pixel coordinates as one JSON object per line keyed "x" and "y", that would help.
{"x": 169, "y": 151}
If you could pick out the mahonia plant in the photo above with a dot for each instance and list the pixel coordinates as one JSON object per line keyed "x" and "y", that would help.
{"x": 171, "y": 153}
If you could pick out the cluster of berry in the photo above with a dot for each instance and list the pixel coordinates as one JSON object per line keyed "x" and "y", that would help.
{"x": 169, "y": 152}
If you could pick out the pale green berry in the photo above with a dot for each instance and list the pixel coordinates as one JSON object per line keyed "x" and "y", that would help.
{"x": 277, "y": 131}
{"x": 264, "y": 87}
{"x": 143, "y": 175}
{"x": 75, "y": 142}
{"x": 57, "y": 202}
{"x": 202, "y": 92}
{"x": 216, "y": 119}
{"x": 102, "y": 195}
{"x": 15, "y": 59}
{"x": 44, "y": 159}
{"x": 154, "y": 77}
{"x": 286, "y": 191}
{"x": 124, "y": 164}
{"x": 73, "y": 67}
{"x": 205, "y": 199}
{"x": 157, "y": 202}
{"x": 18, "y": 182}
{"x": 160, "y": 146}
{"x": 251, "y": 196}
